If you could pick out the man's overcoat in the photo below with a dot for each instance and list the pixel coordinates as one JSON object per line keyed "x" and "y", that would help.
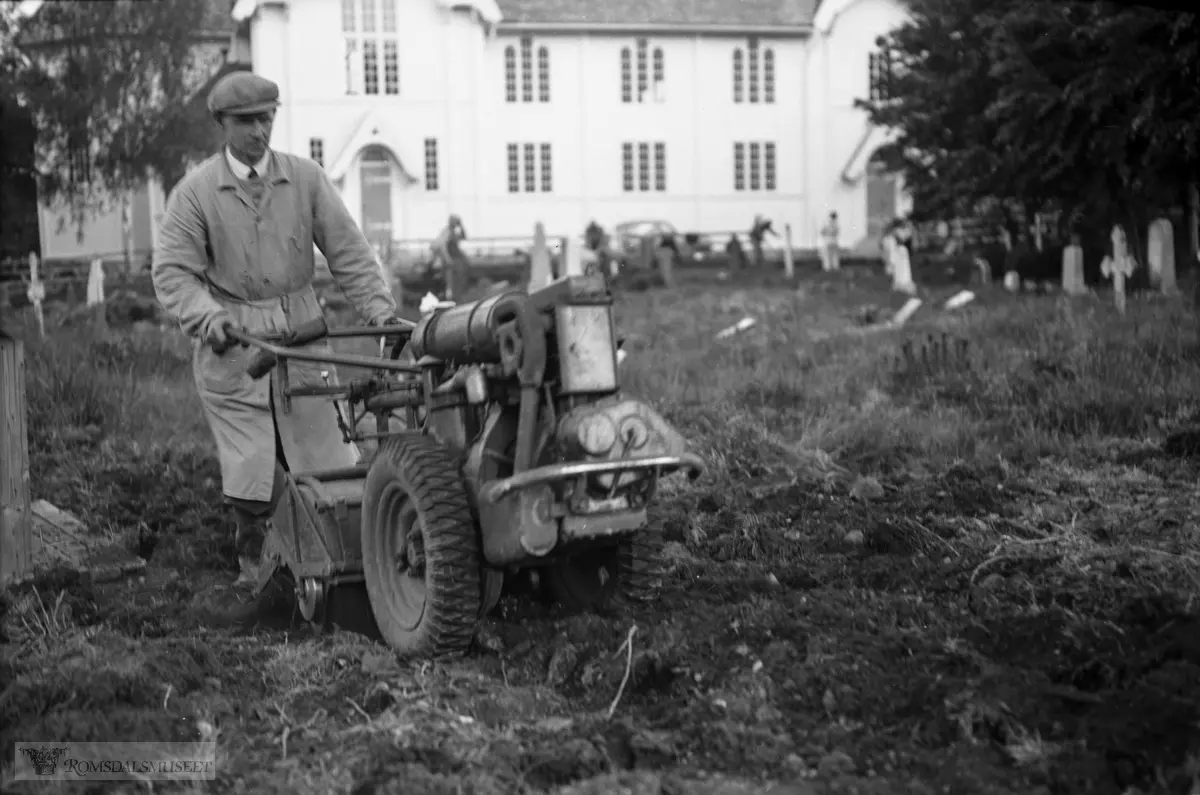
{"x": 218, "y": 251}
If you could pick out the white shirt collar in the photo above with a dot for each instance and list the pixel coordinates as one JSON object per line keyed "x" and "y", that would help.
{"x": 241, "y": 170}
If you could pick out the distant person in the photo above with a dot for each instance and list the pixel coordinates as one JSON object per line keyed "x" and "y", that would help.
{"x": 594, "y": 235}
{"x": 830, "y": 255}
{"x": 597, "y": 241}
{"x": 235, "y": 251}
{"x": 735, "y": 252}
{"x": 758, "y": 234}
{"x": 449, "y": 255}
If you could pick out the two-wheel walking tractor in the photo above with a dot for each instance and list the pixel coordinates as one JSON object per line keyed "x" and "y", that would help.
{"x": 505, "y": 445}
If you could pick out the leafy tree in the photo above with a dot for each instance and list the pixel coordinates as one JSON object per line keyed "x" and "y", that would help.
{"x": 1070, "y": 105}
{"x": 1103, "y": 99}
{"x": 109, "y": 84}
{"x": 937, "y": 101}
{"x": 18, "y": 187}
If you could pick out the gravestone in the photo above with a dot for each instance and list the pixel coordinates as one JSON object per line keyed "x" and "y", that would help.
{"x": 95, "y": 299}
{"x": 61, "y": 540}
{"x": 901, "y": 266}
{"x": 647, "y": 252}
{"x": 735, "y": 252}
{"x": 906, "y": 312}
{"x": 572, "y": 257}
{"x": 1160, "y": 256}
{"x": 1072, "y": 269}
{"x": 789, "y": 262}
{"x": 959, "y": 299}
{"x": 984, "y": 269}
{"x": 666, "y": 266}
{"x": 540, "y": 273}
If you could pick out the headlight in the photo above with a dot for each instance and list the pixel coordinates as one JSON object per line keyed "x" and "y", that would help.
{"x": 597, "y": 434}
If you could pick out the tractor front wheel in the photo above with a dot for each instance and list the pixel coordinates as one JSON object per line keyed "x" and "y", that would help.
{"x": 626, "y": 573}
{"x": 421, "y": 551}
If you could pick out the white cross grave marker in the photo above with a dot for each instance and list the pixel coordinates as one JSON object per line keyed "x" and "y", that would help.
{"x": 1118, "y": 267}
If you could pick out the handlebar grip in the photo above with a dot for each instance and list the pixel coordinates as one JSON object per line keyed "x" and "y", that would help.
{"x": 261, "y": 363}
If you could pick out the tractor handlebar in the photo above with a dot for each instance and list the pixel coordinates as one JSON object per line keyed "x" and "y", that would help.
{"x": 269, "y": 353}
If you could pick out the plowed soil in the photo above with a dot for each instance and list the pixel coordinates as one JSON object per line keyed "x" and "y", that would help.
{"x": 937, "y": 571}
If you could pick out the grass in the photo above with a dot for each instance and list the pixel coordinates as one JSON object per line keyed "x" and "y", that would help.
{"x": 956, "y": 557}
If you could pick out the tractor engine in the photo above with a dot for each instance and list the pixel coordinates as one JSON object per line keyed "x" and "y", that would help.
{"x": 526, "y": 388}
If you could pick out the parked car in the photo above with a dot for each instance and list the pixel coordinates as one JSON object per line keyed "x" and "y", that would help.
{"x": 626, "y": 240}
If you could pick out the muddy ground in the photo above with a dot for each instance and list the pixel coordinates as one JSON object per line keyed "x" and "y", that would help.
{"x": 967, "y": 623}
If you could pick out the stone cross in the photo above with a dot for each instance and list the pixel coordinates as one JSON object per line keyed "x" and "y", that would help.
{"x": 1119, "y": 266}
{"x": 1160, "y": 256}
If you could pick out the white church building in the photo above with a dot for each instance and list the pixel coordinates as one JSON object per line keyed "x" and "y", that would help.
{"x": 510, "y": 112}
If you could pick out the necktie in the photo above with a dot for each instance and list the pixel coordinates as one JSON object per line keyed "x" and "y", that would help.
{"x": 253, "y": 174}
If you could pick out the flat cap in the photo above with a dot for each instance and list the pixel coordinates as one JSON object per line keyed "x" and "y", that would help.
{"x": 242, "y": 94}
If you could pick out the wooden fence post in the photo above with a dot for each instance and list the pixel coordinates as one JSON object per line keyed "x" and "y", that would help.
{"x": 16, "y": 520}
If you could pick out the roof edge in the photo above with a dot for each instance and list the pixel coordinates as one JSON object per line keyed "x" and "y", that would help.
{"x": 661, "y": 29}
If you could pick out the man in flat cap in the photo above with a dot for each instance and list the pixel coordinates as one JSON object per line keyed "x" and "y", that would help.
{"x": 235, "y": 250}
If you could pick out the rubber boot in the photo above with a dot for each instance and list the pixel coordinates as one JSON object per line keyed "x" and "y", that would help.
{"x": 248, "y": 540}
{"x": 247, "y": 600}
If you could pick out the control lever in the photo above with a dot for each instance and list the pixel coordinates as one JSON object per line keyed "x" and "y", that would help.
{"x": 345, "y": 429}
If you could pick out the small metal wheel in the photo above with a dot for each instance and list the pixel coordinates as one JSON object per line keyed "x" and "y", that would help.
{"x": 422, "y": 561}
{"x": 493, "y": 589}
{"x": 310, "y": 598}
{"x": 629, "y": 571}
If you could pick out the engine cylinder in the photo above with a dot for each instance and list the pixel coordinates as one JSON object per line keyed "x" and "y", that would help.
{"x": 466, "y": 333}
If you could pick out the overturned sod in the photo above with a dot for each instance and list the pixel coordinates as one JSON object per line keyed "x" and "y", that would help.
{"x": 1010, "y": 607}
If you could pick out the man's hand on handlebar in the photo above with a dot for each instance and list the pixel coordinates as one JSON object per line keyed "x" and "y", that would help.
{"x": 389, "y": 320}
{"x": 393, "y": 343}
{"x": 218, "y": 333}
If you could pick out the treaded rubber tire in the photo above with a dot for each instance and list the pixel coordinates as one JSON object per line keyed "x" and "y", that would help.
{"x": 635, "y": 574}
{"x": 417, "y": 475}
